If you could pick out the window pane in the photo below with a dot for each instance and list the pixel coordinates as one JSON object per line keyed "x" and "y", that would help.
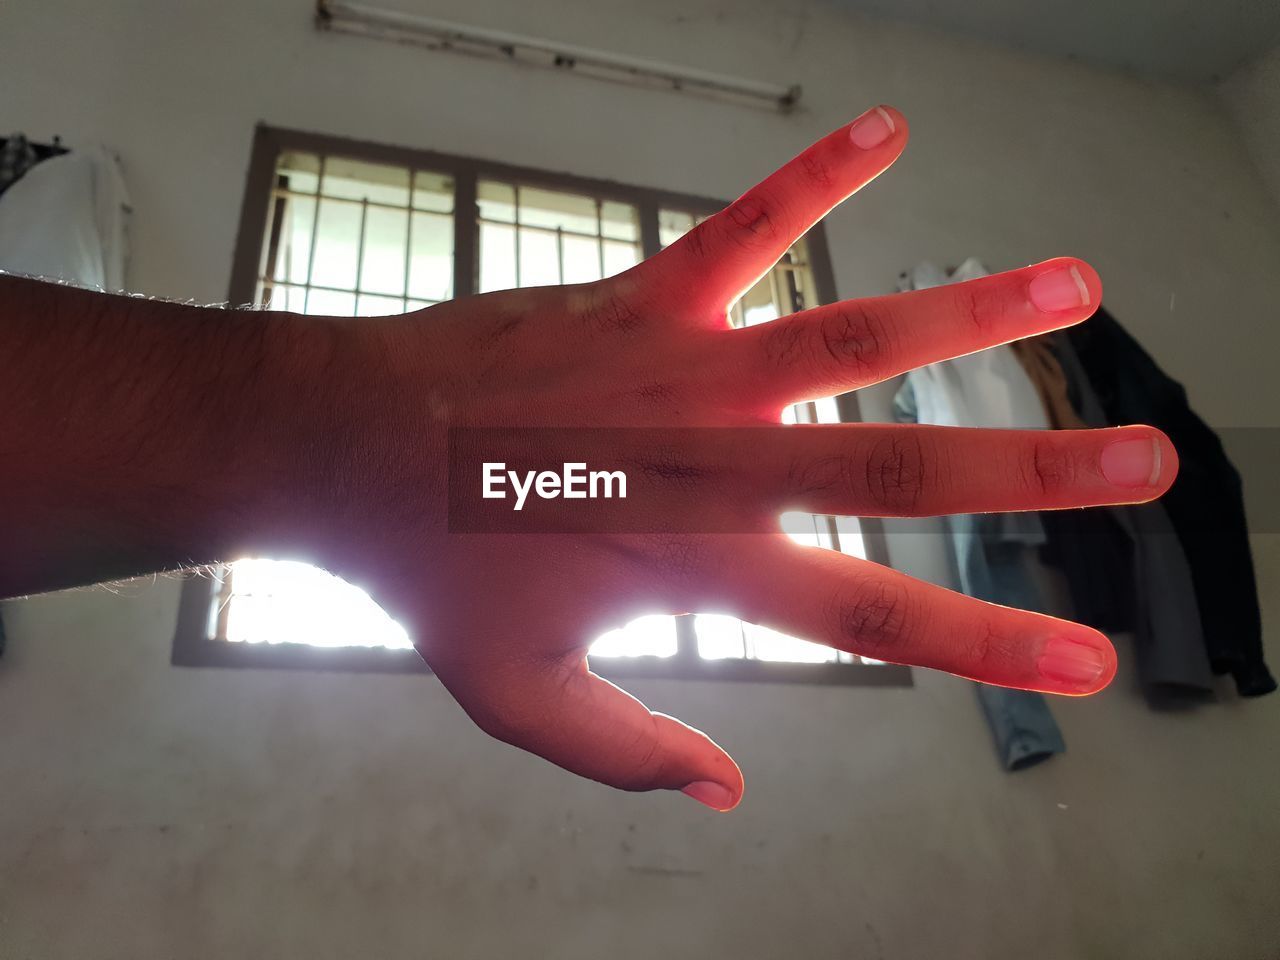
{"x": 651, "y": 636}
{"x": 758, "y": 305}
{"x": 619, "y": 221}
{"x": 559, "y": 241}
{"x": 581, "y": 259}
{"x": 672, "y": 225}
{"x": 719, "y": 637}
{"x": 765, "y": 644}
{"x": 431, "y": 266}
{"x": 723, "y": 637}
{"x": 293, "y": 242}
{"x": 497, "y": 201}
{"x": 336, "y": 242}
{"x": 619, "y": 257}
{"x": 799, "y": 290}
{"x": 433, "y": 191}
{"x": 539, "y": 258}
{"x": 417, "y": 305}
{"x": 367, "y": 306}
{"x": 361, "y": 180}
{"x": 281, "y": 297}
{"x": 851, "y": 541}
{"x": 302, "y": 171}
{"x": 805, "y": 528}
{"x": 330, "y": 303}
{"x": 497, "y": 257}
{"x": 282, "y": 601}
{"x": 566, "y": 211}
{"x": 827, "y": 411}
{"x": 383, "y": 261}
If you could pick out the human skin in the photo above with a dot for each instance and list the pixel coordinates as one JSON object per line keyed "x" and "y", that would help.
{"x": 139, "y": 436}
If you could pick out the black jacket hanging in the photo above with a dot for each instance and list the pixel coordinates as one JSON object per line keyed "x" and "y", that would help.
{"x": 1205, "y": 504}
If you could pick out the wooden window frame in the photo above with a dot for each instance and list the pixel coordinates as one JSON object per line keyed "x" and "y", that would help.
{"x": 192, "y": 645}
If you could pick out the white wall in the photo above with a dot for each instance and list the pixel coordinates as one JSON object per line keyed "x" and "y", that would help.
{"x": 149, "y": 811}
{"x": 1252, "y": 94}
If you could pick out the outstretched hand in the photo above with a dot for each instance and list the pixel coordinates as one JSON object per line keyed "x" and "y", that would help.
{"x": 138, "y": 435}
{"x": 505, "y": 619}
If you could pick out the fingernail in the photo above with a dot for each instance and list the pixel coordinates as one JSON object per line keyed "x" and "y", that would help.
{"x": 1060, "y": 289}
{"x": 872, "y": 128}
{"x": 711, "y": 794}
{"x": 1131, "y": 463}
{"x": 1072, "y": 662}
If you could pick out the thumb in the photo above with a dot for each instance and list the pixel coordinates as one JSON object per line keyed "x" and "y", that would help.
{"x": 588, "y": 726}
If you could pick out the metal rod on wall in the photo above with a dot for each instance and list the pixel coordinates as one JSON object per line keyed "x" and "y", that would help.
{"x": 436, "y": 34}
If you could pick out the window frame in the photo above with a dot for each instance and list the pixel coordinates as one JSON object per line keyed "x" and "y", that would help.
{"x": 193, "y": 647}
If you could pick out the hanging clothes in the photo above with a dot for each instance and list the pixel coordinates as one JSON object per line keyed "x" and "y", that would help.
{"x": 1204, "y": 507}
{"x": 989, "y": 389}
{"x": 1126, "y": 569}
{"x": 67, "y": 219}
{"x": 1045, "y": 372}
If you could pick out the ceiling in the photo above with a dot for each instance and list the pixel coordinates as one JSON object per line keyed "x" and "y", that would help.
{"x": 1193, "y": 40}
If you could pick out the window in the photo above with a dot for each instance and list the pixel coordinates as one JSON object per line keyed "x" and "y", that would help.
{"x": 341, "y": 228}
{"x": 346, "y": 237}
{"x": 530, "y": 237}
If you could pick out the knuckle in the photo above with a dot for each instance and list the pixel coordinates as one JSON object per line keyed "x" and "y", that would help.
{"x": 671, "y": 465}
{"x": 855, "y": 336}
{"x": 751, "y": 221}
{"x": 875, "y": 619}
{"x": 810, "y": 475}
{"x": 990, "y": 650}
{"x": 783, "y": 342}
{"x": 893, "y": 480}
{"x": 695, "y": 241}
{"x": 978, "y": 647}
{"x": 848, "y": 341}
{"x": 816, "y": 170}
{"x": 1049, "y": 469}
{"x": 978, "y": 306}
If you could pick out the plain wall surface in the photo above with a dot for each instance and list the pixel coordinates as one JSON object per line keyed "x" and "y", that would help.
{"x": 149, "y": 811}
{"x": 1253, "y": 95}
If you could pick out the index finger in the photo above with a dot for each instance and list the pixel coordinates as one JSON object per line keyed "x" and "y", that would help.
{"x": 724, "y": 256}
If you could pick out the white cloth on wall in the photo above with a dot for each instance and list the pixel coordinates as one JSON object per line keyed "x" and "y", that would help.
{"x": 67, "y": 218}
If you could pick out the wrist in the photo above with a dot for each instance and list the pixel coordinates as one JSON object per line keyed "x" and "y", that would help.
{"x": 346, "y": 444}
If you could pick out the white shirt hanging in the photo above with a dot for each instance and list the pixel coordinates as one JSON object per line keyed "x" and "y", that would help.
{"x": 67, "y": 219}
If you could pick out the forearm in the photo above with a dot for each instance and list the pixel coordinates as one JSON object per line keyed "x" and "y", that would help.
{"x": 139, "y": 435}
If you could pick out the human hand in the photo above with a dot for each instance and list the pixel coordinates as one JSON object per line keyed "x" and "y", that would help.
{"x": 505, "y": 620}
